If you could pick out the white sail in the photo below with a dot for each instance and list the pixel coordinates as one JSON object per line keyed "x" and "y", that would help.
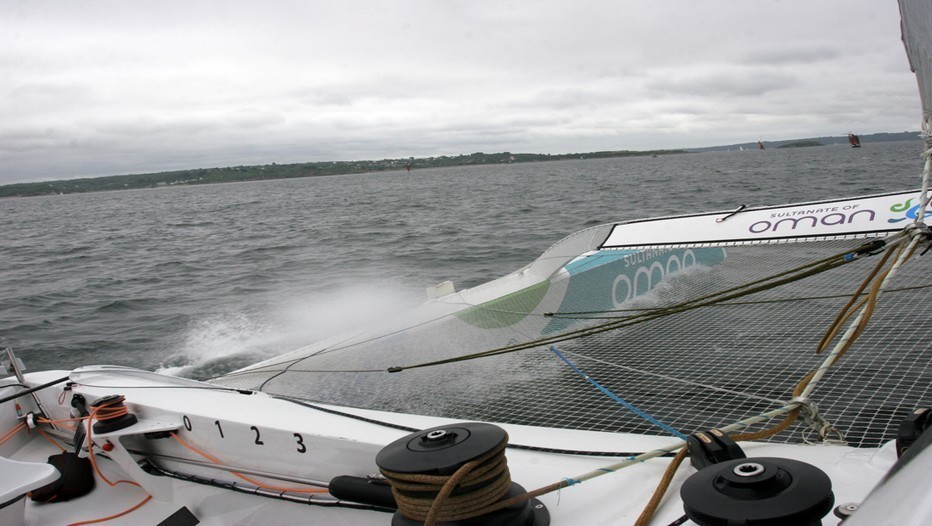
{"x": 916, "y": 16}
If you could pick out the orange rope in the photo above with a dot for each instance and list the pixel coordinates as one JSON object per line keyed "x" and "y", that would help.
{"x": 111, "y": 413}
{"x": 122, "y": 513}
{"x": 254, "y": 482}
{"x": 11, "y": 433}
{"x": 47, "y": 437}
{"x": 91, "y": 454}
{"x": 654, "y": 502}
{"x": 43, "y": 420}
{"x": 100, "y": 413}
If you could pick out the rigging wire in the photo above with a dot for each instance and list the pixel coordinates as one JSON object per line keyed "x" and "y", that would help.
{"x": 790, "y": 411}
{"x": 877, "y": 279}
{"x": 782, "y": 278}
{"x": 30, "y": 390}
{"x": 310, "y": 500}
{"x": 250, "y": 480}
{"x": 408, "y": 429}
{"x": 579, "y": 315}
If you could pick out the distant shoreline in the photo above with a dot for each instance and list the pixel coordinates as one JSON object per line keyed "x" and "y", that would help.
{"x": 273, "y": 171}
{"x": 235, "y": 174}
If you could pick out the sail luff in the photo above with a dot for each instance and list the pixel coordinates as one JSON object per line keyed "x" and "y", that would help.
{"x": 916, "y": 25}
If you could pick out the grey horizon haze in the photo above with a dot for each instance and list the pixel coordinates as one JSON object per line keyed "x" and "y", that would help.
{"x": 97, "y": 88}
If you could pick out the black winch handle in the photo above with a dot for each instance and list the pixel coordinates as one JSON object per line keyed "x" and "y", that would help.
{"x": 78, "y": 402}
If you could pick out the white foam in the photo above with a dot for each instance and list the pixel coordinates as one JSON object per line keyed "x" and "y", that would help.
{"x": 296, "y": 322}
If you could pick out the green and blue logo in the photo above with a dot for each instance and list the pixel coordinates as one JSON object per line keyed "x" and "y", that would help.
{"x": 911, "y": 210}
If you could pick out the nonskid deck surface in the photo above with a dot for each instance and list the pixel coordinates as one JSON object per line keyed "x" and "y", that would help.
{"x": 260, "y": 435}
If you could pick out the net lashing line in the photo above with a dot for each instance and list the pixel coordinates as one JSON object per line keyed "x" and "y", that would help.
{"x": 715, "y": 298}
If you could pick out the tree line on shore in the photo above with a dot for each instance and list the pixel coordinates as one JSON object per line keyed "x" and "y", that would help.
{"x": 287, "y": 171}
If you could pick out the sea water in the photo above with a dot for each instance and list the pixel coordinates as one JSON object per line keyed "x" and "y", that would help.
{"x": 199, "y": 280}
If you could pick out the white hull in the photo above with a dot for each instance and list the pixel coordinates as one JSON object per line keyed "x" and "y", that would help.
{"x": 337, "y": 445}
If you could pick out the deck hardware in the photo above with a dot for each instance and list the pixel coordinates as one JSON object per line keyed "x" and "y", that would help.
{"x": 470, "y": 455}
{"x": 733, "y": 212}
{"x": 843, "y": 511}
{"x": 748, "y": 469}
{"x": 762, "y": 490}
{"x": 436, "y": 435}
{"x": 111, "y": 414}
{"x": 911, "y": 428}
{"x": 712, "y": 447}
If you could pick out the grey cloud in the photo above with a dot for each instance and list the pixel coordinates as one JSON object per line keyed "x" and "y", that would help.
{"x": 792, "y": 55}
{"x": 747, "y": 83}
{"x": 104, "y": 87}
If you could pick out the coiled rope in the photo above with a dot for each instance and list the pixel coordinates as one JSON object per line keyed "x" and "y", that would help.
{"x": 465, "y": 494}
{"x": 110, "y": 409}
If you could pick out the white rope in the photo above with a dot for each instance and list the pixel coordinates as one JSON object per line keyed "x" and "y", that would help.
{"x": 915, "y": 237}
{"x": 859, "y": 320}
{"x": 747, "y": 422}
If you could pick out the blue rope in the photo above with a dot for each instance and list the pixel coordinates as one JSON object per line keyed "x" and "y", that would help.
{"x": 618, "y": 399}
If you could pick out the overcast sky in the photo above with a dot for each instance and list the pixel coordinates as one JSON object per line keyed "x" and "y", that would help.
{"x": 92, "y": 88}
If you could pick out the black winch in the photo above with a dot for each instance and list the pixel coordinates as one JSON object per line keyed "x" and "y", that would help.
{"x": 758, "y": 492}
{"x": 111, "y": 414}
{"x": 418, "y": 465}
{"x": 911, "y": 428}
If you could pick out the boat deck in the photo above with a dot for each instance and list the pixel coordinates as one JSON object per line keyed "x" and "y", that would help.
{"x": 338, "y": 444}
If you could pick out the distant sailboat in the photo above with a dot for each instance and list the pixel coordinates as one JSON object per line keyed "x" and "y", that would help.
{"x": 760, "y": 145}
{"x": 854, "y": 140}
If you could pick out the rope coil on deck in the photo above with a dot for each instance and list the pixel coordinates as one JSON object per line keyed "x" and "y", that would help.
{"x": 465, "y": 494}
